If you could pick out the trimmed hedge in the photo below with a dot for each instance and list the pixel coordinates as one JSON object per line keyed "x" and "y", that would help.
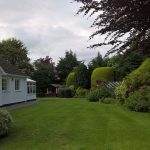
{"x": 102, "y": 74}
{"x": 134, "y": 81}
{"x": 139, "y": 100}
{"x": 70, "y": 79}
{"x": 5, "y": 122}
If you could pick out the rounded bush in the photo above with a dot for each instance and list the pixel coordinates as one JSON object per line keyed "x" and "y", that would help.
{"x": 5, "y": 122}
{"x": 100, "y": 75}
{"x": 65, "y": 93}
{"x": 134, "y": 81}
{"x": 108, "y": 100}
{"x": 70, "y": 79}
{"x": 139, "y": 100}
{"x": 81, "y": 92}
{"x": 99, "y": 94}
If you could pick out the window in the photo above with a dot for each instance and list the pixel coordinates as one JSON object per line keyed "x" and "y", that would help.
{"x": 31, "y": 88}
{"x": 17, "y": 85}
{"x": 4, "y": 84}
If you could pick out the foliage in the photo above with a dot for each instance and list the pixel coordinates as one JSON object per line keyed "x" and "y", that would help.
{"x": 108, "y": 100}
{"x": 5, "y": 122}
{"x": 82, "y": 76}
{"x": 101, "y": 74}
{"x": 81, "y": 92}
{"x": 127, "y": 62}
{"x": 134, "y": 81}
{"x": 99, "y": 94}
{"x": 72, "y": 87}
{"x": 66, "y": 65}
{"x": 70, "y": 79}
{"x": 44, "y": 73}
{"x": 139, "y": 100}
{"x": 119, "y": 19}
{"x": 65, "y": 92}
{"x": 96, "y": 62}
{"x": 15, "y": 52}
{"x": 120, "y": 93}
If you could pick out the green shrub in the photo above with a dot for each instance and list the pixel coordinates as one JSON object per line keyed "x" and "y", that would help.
{"x": 102, "y": 74}
{"x": 99, "y": 94}
{"x": 70, "y": 79}
{"x": 72, "y": 89}
{"x": 134, "y": 81}
{"x": 5, "y": 122}
{"x": 108, "y": 100}
{"x": 139, "y": 100}
{"x": 81, "y": 92}
{"x": 65, "y": 93}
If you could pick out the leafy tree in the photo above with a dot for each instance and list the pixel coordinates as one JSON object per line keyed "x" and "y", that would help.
{"x": 127, "y": 62}
{"x": 98, "y": 61}
{"x": 117, "y": 19}
{"x": 15, "y": 52}
{"x": 44, "y": 73}
{"x": 82, "y": 76}
{"x": 66, "y": 65}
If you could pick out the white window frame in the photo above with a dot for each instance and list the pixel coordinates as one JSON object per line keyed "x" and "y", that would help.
{"x": 17, "y": 85}
{"x": 31, "y": 88}
{"x": 4, "y": 85}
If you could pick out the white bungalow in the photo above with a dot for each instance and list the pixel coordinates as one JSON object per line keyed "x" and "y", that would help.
{"x": 15, "y": 87}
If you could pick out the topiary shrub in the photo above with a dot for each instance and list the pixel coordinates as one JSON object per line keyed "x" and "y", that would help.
{"x": 101, "y": 75}
{"x": 134, "y": 81}
{"x": 70, "y": 79}
{"x": 65, "y": 93}
{"x": 5, "y": 122}
{"x": 99, "y": 94}
{"x": 81, "y": 92}
{"x": 139, "y": 100}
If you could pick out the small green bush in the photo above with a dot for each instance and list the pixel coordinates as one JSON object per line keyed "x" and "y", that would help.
{"x": 108, "y": 100}
{"x": 70, "y": 79}
{"x": 72, "y": 89}
{"x": 139, "y": 100}
{"x": 99, "y": 94}
{"x": 102, "y": 74}
{"x": 65, "y": 93}
{"x": 81, "y": 92}
{"x": 5, "y": 122}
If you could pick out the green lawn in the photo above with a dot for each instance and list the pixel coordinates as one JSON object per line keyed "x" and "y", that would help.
{"x": 76, "y": 124}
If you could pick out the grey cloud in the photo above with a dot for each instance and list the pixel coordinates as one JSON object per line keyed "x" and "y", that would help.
{"x": 47, "y": 27}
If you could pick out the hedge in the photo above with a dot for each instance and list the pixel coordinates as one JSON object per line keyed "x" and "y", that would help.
{"x": 134, "y": 81}
{"x": 102, "y": 74}
{"x": 70, "y": 79}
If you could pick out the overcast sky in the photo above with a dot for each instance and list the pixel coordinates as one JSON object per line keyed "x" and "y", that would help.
{"x": 48, "y": 28}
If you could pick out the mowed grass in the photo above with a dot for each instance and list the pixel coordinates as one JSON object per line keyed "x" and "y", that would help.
{"x": 76, "y": 124}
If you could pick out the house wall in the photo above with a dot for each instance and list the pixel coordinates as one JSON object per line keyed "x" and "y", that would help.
{"x": 12, "y": 96}
{"x": 31, "y": 97}
{"x": 0, "y": 89}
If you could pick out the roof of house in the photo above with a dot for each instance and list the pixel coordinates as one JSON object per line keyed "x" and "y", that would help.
{"x": 10, "y": 69}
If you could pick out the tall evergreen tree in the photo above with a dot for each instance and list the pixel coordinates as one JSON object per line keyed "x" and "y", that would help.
{"x": 66, "y": 65}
